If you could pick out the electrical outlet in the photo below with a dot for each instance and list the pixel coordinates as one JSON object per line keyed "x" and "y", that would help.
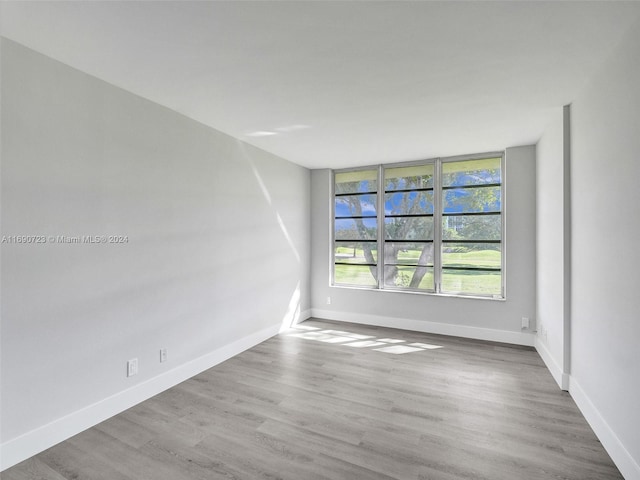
{"x": 542, "y": 332}
{"x": 328, "y": 300}
{"x": 132, "y": 367}
{"x": 525, "y": 323}
{"x": 163, "y": 355}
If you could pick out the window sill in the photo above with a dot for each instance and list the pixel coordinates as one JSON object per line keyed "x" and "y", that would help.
{"x": 431, "y": 294}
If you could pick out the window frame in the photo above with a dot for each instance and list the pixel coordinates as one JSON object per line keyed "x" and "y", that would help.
{"x": 438, "y": 216}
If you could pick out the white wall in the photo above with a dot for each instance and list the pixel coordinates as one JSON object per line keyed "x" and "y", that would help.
{"x": 488, "y": 319}
{"x": 605, "y": 169}
{"x": 552, "y": 247}
{"x": 217, "y": 254}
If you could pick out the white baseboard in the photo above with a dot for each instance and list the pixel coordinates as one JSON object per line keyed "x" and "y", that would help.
{"x": 627, "y": 465}
{"x": 561, "y": 378}
{"x": 20, "y": 448}
{"x": 517, "y": 338}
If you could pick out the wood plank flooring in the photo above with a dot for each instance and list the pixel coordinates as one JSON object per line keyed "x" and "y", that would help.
{"x": 317, "y": 403}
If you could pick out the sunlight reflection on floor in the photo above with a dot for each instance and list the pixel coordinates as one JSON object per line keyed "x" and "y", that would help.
{"x": 349, "y": 339}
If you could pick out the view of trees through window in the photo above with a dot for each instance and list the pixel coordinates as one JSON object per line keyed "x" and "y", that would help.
{"x": 437, "y": 225}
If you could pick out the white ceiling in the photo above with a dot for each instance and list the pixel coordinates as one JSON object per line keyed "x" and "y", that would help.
{"x": 339, "y": 84}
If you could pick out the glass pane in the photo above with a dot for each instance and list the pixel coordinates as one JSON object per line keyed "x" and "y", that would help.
{"x": 359, "y": 181}
{"x": 408, "y": 203}
{"x": 471, "y": 172}
{"x": 356, "y": 229}
{"x": 404, "y": 178}
{"x": 356, "y": 252}
{"x": 476, "y": 227}
{"x": 420, "y": 278}
{"x": 408, "y": 253}
{"x": 472, "y": 255}
{"x": 408, "y": 228}
{"x": 485, "y": 283}
{"x": 470, "y": 200}
{"x": 356, "y": 205}
{"x": 355, "y": 275}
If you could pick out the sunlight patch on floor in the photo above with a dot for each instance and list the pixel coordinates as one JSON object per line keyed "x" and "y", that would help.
{"x": 349, "y": 339}
{"x": 365, "y": 343}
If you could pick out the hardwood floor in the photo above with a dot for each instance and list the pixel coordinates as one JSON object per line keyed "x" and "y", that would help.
{"x": 317, "y": 403}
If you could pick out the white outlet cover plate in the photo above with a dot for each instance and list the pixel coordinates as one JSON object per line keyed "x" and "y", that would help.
{"x": 132, "y": 367}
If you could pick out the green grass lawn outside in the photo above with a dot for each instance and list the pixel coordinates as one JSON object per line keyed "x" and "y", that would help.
{"x": 473, "y": 258}
{"x": 453, "y": 281}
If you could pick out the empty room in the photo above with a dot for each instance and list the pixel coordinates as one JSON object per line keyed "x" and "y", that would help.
{"x": 319, "y": 240}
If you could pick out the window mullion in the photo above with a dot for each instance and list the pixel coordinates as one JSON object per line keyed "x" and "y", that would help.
{"x": 381, "y": 226}
{"x": 503, "y": 232}
{"x": 437, "y": 226}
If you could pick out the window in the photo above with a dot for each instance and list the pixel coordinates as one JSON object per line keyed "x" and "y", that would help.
{"x": 356, "y": 228}
{"x": 408, "y": 227}
{"x": 472, "y": 227}
{"x": 433, "y": 226}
